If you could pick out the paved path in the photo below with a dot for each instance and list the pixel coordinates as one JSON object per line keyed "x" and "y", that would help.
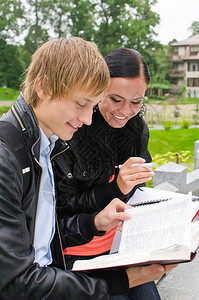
{"x": 181, "y": 283}
{"x": 6, "y": 103}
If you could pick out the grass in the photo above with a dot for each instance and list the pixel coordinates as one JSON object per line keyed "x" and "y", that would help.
{"x": 173, "y": 140}
{"x": 178, "y": 100}
{"x": 163, "y": 146}
{"x": 4, "y": 109}
{"x": 8, "y": 94}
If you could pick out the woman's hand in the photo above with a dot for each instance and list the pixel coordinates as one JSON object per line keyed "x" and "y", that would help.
{"x": 112, "y": 215}
{"x": 130, "y": 176}
{"x": 142, "y": 274}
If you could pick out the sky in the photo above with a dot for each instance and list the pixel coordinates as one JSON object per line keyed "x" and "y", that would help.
{"x": 176, "y": 16}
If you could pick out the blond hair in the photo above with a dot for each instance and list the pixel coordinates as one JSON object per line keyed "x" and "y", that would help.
{"x": 63, "y": 64}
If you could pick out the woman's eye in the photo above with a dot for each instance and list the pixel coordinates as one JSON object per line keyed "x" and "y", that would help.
{"x": 114, "y": 99}
{"x": 136, "y": 102}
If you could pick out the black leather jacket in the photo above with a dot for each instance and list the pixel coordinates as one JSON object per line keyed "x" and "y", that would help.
{"x": 20, "y": 277}
{"x": 83, "y": 171}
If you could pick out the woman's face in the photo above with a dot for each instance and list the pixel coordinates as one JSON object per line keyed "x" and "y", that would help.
{"x": 123, "y": 100}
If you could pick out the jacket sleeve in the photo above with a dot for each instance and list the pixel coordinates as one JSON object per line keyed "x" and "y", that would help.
{"x": 75, "y": 196}
{"x": 20, "y": 277}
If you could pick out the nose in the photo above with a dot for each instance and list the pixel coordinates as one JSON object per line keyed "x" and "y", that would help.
{"x": 125, "y": 110}
{"x": 86, "y": 116}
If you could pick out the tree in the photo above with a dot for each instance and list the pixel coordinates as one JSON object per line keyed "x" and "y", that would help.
{"x": 11, "y": 65}
{"x": 194, "y": 28}
{"x": 160, "y": 69}
{"x": 37, "y": 33}
{"x": 125, "y": 24}
{"x": 82, "y": 22}
{"x": 110, "y": 25}
{"x": 11, "y": 11}
{"x": 55, "y": 16}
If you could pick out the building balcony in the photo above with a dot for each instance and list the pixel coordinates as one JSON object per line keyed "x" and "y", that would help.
{"x": 176, "y": 73}
{"x": 176, "y": 57}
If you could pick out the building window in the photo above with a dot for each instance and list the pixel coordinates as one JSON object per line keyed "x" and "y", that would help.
{"x": 193, "y": 66}
{"x": 194, "y": 50}
{"x": 175, "y": 66}
{"x": 175, "y": 50}
{"x": 193, "y": 82}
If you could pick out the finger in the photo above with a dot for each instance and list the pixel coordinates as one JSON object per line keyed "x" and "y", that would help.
{"x": 170, "y": 267}
{"x": 120, "y": 206}
{"x": 120, "y": 216}
{"x": 133, "y": 160}
{"x": 140, "y": 176}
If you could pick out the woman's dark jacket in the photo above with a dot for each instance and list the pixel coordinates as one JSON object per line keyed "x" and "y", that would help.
{"x": 20, "y": 277}
{"x": 84, "y": 170}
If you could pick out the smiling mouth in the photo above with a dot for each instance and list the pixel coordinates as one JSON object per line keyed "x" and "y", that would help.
{"x": 75, "y": 127}
{"x": 120, "y": 118}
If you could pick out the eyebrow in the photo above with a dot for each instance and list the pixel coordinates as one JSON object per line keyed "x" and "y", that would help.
{"x": 85, "y": 99}
{"x": 124, "y": 98}
{"x": 116, "y": 95}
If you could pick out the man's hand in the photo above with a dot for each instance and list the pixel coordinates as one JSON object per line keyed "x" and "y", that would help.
{"x": 143, "y": 274}
{"x": 112, "y": 215}
{"x": 129, "y": 176}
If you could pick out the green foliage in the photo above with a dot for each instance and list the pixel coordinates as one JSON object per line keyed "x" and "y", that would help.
{"x": 82, "y": 12}
{"x": 159, "y": 69}
{"x": 184, "y": 158}
{"x": 159, "y": 85}
{"x": 194, "y": 27}
{"x": 125, "y": 24}
{"x": 167, "y": 125}
{"x": 11, "y": 65}
{"x": 182, "y": 91}
{"x": 10, "y": 12}
{"x": 109, "y": 23}
{"x": 185, "y": 123}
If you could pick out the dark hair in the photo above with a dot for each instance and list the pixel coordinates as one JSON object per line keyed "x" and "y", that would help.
{"x": 125, "y": 62}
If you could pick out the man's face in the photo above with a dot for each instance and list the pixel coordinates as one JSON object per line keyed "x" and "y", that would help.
{"x": 64, "y": 116}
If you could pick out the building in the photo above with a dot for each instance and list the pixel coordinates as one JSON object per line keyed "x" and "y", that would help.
{"x": 185, "y": 69}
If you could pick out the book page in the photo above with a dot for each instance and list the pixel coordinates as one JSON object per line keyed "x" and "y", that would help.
{"x": 155, "y": 226}
{"x": 147, "y": 194}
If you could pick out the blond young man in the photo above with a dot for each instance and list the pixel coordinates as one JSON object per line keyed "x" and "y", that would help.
{"x": 65, "y": 80}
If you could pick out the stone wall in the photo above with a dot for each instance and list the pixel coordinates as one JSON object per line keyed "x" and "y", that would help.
{"x": 176, "y": 178}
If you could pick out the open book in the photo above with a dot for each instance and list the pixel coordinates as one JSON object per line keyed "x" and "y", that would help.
{"x": 162, "y": 232}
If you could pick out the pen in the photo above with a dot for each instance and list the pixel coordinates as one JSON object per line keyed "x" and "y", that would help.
{"x": 150, "y": 202}
{"x": 146, "y": 165}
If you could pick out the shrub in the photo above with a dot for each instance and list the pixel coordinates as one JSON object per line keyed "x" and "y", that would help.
{"x": 185, "y": 124}
{"x": 167, "y": 125}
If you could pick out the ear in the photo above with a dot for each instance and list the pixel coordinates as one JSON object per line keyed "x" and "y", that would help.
{"x": 38, "y": 89}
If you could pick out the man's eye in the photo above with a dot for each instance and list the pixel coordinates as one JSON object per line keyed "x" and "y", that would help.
{"x": 81, "y": 105}
{"x": 114, "y": 99}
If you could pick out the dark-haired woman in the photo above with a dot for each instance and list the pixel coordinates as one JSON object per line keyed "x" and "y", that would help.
{"x": 118, "y": 136}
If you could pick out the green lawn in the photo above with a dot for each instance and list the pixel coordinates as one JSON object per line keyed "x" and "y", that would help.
{"x": 163, "y": 146}
{"x": 8, "y": 94}
{"x": 174, "y": 140}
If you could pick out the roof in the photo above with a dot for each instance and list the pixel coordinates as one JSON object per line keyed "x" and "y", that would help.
{"x": 192, "y": 40}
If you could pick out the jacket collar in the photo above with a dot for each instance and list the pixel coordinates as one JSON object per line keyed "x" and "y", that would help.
{"x": 28, "y": 123}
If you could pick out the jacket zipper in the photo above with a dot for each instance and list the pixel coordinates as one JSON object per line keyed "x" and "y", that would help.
{"x": 57, "y": 224}
{"x": 37, "y": 198}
